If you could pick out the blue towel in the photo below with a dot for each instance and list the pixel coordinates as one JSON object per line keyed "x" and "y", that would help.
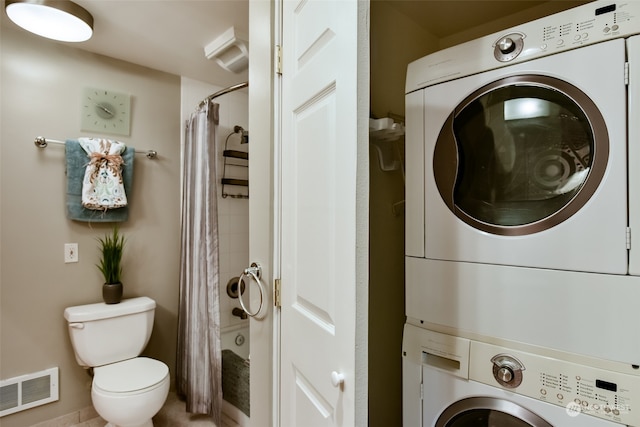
{"x": 77, "y": 161}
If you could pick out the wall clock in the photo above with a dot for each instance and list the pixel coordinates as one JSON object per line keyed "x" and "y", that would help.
{"x": 105, "y": 111}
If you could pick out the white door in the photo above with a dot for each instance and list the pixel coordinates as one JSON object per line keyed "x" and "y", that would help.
{"x": 319, "y": 167}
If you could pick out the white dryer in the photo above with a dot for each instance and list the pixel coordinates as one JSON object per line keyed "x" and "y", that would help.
{"x": 517, "y": 145}
{"x": 455, "y": 382}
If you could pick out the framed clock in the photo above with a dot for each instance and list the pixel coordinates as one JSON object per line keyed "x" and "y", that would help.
{"x": 106, "y": 111}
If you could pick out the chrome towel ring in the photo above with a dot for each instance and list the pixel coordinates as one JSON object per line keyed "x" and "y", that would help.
{"x": 255, "y": 271}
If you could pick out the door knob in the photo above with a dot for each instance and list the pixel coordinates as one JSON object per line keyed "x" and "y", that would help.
{"x": 337, "y": 379}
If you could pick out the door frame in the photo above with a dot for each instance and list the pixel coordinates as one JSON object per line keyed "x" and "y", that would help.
{"x": 262, "y": 216}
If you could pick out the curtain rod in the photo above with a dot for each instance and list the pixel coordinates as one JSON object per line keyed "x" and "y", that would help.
{"x": 42, "y": 142}
{"x": 223, "y": 92}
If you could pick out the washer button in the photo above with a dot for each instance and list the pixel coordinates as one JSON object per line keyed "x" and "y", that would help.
{"x": 606, "y": 29}
{"x": 560, "y": 396}
{"x": 615, "y": 27}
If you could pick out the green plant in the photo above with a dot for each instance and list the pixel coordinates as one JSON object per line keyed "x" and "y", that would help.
{"x": 111, "y": 248}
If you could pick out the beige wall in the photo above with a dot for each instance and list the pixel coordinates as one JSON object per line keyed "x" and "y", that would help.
{"x": 395, "y": 42}
{"x": 41, "y": 84}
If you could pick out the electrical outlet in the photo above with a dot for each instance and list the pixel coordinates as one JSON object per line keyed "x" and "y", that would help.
{"x": 70, "y": 252}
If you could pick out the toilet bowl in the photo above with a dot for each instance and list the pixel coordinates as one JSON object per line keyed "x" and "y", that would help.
{"x": 129, "y": 393}
{"x": 127, "y": 390}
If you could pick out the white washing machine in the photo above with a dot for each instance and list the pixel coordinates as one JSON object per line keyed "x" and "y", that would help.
{"x": 517, "y": 145}
{"x": 455, "y": 382}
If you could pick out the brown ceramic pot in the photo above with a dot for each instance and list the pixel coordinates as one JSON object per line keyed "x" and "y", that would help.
{"x": 112, "y": 293}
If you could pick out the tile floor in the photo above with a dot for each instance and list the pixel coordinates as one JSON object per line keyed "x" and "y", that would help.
{"x": 172, "y": 414}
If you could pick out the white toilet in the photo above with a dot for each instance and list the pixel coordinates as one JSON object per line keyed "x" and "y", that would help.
{"x": 127, "y": 390}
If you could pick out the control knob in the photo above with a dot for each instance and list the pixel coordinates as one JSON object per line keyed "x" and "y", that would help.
{"x": 505, "y": 374}
{"x": 507, "y": 370}
{"x": 506, "y": 45}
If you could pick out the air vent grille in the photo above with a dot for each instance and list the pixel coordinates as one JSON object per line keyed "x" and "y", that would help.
{"x": 28, "y": 391}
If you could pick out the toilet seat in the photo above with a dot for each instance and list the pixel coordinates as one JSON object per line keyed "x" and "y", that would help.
{"x": 132, "y": 375}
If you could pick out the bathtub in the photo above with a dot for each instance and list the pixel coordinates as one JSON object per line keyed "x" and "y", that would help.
{"x": 236, "y": 339}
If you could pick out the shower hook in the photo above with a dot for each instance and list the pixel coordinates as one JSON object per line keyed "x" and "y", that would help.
{"x": 254, "y": 271}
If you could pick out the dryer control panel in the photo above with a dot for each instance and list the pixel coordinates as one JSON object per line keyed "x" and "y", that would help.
{"x": 580, "y": 26}
{"x": 581, "y": 389}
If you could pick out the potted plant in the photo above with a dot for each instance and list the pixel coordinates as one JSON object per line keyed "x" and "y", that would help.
{"x": 111, "y": 248}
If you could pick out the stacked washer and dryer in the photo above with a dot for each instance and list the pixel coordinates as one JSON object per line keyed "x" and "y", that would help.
{"x": 523, "y": 226}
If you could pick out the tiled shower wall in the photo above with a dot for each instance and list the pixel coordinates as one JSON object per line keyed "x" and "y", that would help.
{"x": 233, "y": 214}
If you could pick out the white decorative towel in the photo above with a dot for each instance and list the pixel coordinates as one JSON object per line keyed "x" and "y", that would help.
{"x": 102, "y": 186}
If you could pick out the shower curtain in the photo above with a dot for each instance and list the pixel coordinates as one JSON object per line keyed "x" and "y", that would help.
{"x": 199, "y": 360}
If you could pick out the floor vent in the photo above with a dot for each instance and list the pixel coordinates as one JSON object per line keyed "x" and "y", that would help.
{"x": 28, "y": 391}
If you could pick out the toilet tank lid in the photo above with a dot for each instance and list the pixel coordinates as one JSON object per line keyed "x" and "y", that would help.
{"x": 89, "y": 312}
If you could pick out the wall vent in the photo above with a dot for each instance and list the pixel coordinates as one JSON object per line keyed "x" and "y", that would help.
{"x": 28, "y": 391}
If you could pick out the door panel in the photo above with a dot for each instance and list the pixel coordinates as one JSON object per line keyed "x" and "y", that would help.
{"x": 318, "y": 212}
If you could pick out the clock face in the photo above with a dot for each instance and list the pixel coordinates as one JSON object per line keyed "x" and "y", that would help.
{"x": 105, "y": 111}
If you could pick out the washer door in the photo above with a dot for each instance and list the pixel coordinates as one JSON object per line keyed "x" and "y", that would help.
{"x": 521, "y": 155}
{"x": 488, "y": 412}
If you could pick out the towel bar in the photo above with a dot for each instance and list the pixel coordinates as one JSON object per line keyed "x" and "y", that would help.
{"x": 42, "y": 142}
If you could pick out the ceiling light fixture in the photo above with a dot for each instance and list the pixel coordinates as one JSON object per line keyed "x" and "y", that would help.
{"x": 60, "y": 20}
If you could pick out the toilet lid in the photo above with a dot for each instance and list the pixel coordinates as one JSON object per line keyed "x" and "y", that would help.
{"x": 130, "y": 375}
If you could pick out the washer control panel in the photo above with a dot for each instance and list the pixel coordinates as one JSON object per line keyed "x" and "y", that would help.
{"x": 581, "y": 389}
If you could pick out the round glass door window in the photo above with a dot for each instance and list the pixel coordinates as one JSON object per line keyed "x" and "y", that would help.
{"x": 521, "y": 155}
{"x": 488, "y": 412}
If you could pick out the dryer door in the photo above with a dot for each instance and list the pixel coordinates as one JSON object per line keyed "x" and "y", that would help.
{"x": 527, "y": 165}
{"x": 521, "y": 155}
{"x": 488, "y": 412}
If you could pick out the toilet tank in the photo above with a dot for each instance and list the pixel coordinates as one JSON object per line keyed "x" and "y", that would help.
{"x": 107, "y": 333}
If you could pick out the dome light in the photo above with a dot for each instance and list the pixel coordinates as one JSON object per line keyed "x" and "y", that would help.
{"x": 60, "y": 20}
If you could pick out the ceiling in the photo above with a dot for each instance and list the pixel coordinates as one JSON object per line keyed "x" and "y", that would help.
{"x": 167, "y": 35}
{"x": 170, "y": 35}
